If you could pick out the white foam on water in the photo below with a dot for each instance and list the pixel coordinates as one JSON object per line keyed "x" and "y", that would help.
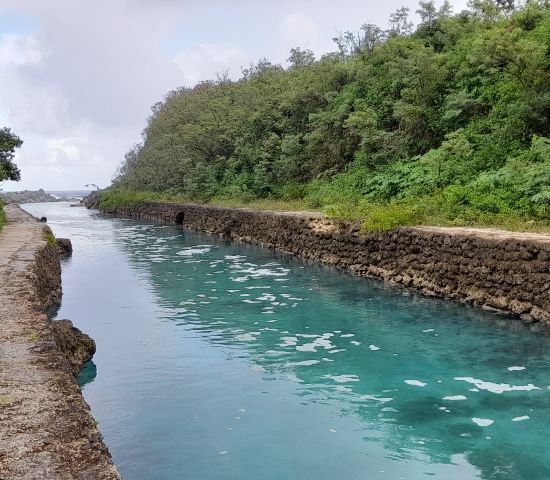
{"x": 515, "y": 369}
{"x": 248, "y": 337}
{"x": 320, "y": 342}
{"x": 347, "y": 335}
{"x": 377, "y": 399}
{"x": 276, "y": 353}
{"x": 223, "y": 452}
{"x": 332, "y": 430}
{"x": 416, "y": 383}
{"x": 342, "y": 388}
{"x": 288, "y": 341}
{"x": 428, "y": 330}
{"x": 338, "y": 350}
{"x": 373, "y": 348}
{"x": 293, "y": 378}
{"x": 242, "y": 410}
{"x": 257, "y": 368}
{"x": 355, "y": 342}
{"x": 196, "y": 250}
{"x": 342, "y": 378}
{"x": 305, "y": 363}
{"x": 520, "y": 419}
{"x": 453, "y": 398}
{"x": 497, "y": 387}
{"x": 482, "y": 422}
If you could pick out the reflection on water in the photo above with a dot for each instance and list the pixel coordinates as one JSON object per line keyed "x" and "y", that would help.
{"x": 226, "y": 361}
{"x": 87, "y": 374}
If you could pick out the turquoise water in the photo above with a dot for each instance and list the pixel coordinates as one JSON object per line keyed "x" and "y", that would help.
{"x": 227, "y": 361}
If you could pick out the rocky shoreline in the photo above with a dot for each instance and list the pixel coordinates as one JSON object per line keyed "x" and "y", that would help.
{"x": 501, "y": 271}
{"x": 46, "y": 427}
{"x": 35, "y": 196}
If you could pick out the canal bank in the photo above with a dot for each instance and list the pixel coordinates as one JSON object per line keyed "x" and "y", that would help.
{"x": 46, "y": 427}
{"x": 501, "y": 271}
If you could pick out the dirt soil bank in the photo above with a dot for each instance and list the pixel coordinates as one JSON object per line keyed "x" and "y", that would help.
{"x": 46, "y": 428}
{"x": 497, "y": 270}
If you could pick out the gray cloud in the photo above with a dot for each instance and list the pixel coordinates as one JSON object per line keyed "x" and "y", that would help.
{"x": 78, "y": 78}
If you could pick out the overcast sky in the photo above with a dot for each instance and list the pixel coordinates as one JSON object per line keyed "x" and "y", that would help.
{"x": 78, "y": 77}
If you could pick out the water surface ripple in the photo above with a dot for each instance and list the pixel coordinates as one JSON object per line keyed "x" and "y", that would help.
{"x": 228, "y": 361}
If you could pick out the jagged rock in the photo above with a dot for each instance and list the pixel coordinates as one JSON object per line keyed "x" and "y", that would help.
{"x": 77, "y": 347}
{"x": 64, "y": 247}
{"x": 91, "y": 200}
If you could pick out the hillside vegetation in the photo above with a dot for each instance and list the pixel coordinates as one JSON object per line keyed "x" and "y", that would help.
{"x": 447, "y": 123}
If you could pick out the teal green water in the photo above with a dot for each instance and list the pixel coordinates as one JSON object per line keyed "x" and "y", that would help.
{"x": 227, "y": 361}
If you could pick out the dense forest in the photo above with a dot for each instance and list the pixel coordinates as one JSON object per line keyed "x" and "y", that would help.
{"x": 446, "y": 123}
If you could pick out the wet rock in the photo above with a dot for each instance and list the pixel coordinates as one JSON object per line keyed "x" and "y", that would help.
{"x": 43, "y": 219}
{"x": 77, "y": 347}
{"x": 91, "y": 200}
{"x": 64, "y": 247}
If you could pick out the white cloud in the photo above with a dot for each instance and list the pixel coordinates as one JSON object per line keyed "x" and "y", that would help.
{"x": 205, "y": 61}
{"x": 298, "y": 30}
{"x": 78, "y": 78}
{"x": 19, "y": 50}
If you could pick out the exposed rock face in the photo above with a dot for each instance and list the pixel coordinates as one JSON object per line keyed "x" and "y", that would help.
{"x": 27, "y": 196}
{"x": 46, "y": 428}
{"x": 64, "y": 247}
{"x": 77, "y": 347}
{"x": 92, "y": 200}
{"x": 497, "y": 270}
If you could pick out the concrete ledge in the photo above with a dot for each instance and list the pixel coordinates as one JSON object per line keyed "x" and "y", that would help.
{"x": 46, "y": 428}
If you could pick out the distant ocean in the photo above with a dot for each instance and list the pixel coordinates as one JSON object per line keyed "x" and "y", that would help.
{"x": 68, "y": 194}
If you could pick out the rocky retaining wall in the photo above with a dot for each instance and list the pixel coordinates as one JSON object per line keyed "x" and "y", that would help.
{"x": 46, "y": 428}
{"x": 497, "y": 270}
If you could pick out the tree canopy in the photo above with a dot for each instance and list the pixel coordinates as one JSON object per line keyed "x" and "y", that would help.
{"x": 451, "y": 117}
{"x": 8, "y": 143}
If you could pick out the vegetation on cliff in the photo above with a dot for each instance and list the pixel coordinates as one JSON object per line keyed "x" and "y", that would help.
{"x": 448, "y": 123}
{"x": 8, "y": 170}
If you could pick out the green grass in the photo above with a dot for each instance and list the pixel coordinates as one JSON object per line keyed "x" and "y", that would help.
{"x": 6, "y": 400}
{"x": 436, "y": 210}
{"x": 2, "y": 215}
{"x": 112, "y": 198}
{"x": 49, "y": 237}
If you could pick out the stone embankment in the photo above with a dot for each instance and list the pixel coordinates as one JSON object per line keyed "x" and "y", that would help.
{"x": 46, "y": 428}
{"x": 497, "y": 270}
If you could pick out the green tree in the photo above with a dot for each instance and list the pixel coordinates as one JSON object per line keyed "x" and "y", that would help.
{"x": 8, "y": 143}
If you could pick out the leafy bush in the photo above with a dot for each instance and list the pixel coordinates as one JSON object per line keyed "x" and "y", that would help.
{"x": 448, "y": 124}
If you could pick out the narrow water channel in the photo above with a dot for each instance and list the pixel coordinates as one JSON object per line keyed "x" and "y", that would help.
{"x": 228, "y": 361}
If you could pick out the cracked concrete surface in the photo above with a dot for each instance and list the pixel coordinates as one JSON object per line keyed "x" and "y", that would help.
{"x": 46, "y": 428}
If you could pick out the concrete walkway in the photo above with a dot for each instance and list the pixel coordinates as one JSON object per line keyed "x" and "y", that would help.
{"x": 46, "y": 429}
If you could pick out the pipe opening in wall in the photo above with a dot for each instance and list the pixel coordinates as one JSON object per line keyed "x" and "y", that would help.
{"x": 179, "y": 218}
